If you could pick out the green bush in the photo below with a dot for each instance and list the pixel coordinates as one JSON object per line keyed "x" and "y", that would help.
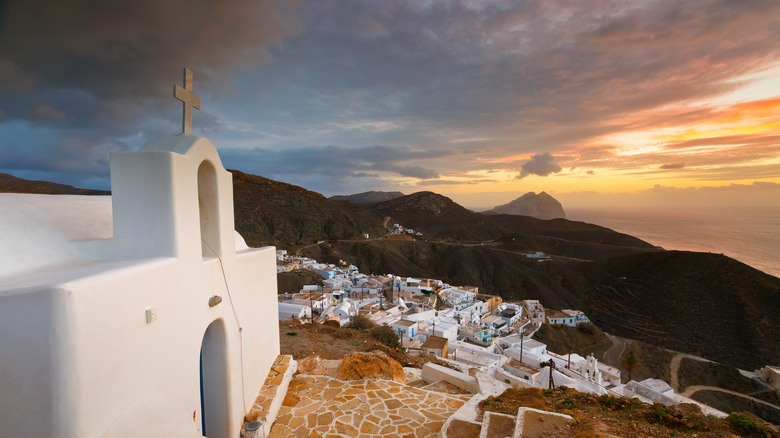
{"x": 360, "y": 322}
{"x": 608, "y": 400}
{"x": 292, "y": 334}
{"x": 566, "y": 403}
{"x": 743, "y": 422}
{"x": 658, "y": 412}
{"x": 386, "y": 335}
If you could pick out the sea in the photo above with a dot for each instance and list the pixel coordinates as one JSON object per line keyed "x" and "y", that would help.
{"x": 748, "y": 234}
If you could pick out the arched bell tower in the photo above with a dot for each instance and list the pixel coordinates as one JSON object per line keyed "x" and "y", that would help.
{"x": 173, "y": 198}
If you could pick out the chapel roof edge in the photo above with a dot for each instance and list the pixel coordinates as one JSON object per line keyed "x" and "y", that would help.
{"x": 181, "y": 144}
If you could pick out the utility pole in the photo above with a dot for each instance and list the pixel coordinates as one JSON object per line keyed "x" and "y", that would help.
{"x": 552, "y": 368}
{"x": 311, "y": 308}
{"x": 521, "y": 347}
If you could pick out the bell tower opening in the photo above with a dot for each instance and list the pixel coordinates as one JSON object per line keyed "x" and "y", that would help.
{"x": 207, "y": 204}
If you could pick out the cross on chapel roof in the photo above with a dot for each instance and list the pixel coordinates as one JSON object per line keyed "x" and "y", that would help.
{"x": 189, "y": 99}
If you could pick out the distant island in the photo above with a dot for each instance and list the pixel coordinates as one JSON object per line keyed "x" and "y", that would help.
{"x": 541, "y": 206}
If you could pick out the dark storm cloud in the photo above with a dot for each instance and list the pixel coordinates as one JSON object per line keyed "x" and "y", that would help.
{"x": 540, "y": 164}
{"x": 115, "y": 48}
{"x": 97, "y": 71}
{"x": 332, "y": 161}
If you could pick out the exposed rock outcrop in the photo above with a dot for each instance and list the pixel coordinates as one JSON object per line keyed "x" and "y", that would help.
{"x": 374, "y": 365}
{"x": 314, "y": 365}
{"x": 541, "y": 206}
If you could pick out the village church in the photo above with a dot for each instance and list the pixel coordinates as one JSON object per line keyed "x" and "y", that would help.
{"x": 142, "y": 314}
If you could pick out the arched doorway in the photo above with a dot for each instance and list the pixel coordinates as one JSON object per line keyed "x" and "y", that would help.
{"x": 207, "y": 205}
{"x": 214, "y": 382}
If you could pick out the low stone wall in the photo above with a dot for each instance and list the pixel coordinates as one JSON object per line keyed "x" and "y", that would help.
{"x": 636, "y": 388}
{"x": 433, "y": 373}
{"x": 512, "y": 380}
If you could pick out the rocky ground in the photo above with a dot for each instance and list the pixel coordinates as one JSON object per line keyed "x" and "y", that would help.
{"x": 595, "y": 416}
{"x": 329, "y": 342}
{"x": 607, "y": 416}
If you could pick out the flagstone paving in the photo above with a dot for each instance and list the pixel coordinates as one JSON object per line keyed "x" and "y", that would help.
{"x": 321, "y": 406}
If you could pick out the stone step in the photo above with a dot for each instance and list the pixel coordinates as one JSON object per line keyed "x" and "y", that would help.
{"x": 272, "y": 394}
{"x": 496, "y": 425}
{"x": 534, "y": 422}
{"x": 461, "y": 429}
{"x": 528, "y": 423}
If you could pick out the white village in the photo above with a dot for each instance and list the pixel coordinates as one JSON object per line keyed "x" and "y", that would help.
{"x": 146, "y": 314}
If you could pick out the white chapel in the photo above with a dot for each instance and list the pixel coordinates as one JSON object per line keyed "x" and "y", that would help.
{"x": 140, "y": 314}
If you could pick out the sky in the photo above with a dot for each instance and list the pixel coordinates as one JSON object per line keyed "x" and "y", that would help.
{"x": 596, "y": 102}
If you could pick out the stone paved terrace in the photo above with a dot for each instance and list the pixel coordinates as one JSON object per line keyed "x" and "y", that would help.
{"x": 321, "y": 406}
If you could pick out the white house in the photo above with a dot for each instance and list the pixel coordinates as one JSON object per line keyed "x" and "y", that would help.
{"x": 406, "y": 328}
{"x": 318, "y": 302}
{"x": 458, "y": 298}
{"x": 770, "y": 375}
{"x": 578, "y": 315}
{"x": 337, "y": 283}
{"x": 418, "y": 314}
{"x": 289, "y": 311}
{"x": 341, "y": 312}
{"x": 445, "y": 330}
{"x": 510, "y": 314}
{"x": 406, "y": 284}
{"x": 560, "y": 318}
{"x": 139, "y": 314}
{"x": 493, "y": 321}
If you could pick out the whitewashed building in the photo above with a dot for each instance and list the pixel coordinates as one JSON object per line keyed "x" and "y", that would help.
{"x": 288, "y": 311}
{"x": 139, "y": 314}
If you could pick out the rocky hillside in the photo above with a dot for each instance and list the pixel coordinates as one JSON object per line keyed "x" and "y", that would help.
{"x": 275, "y": 213}
{"x": 541, "y": 206}
{"x": 368, "y": 198}
{"x": 700, "y": 303}
{"x": 12, "y": 184}
{"x": 440, "y": 217}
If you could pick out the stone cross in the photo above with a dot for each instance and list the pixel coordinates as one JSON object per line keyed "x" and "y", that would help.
{"x": 189, "y": 99}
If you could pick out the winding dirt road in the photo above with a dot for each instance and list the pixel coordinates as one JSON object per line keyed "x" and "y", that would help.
{"x": 693, "y": 389}
{"x": 612, "y": 355}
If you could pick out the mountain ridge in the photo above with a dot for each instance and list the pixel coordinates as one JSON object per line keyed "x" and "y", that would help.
{"x": 368, "y": 198}
{"x": 13, "y": 184}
